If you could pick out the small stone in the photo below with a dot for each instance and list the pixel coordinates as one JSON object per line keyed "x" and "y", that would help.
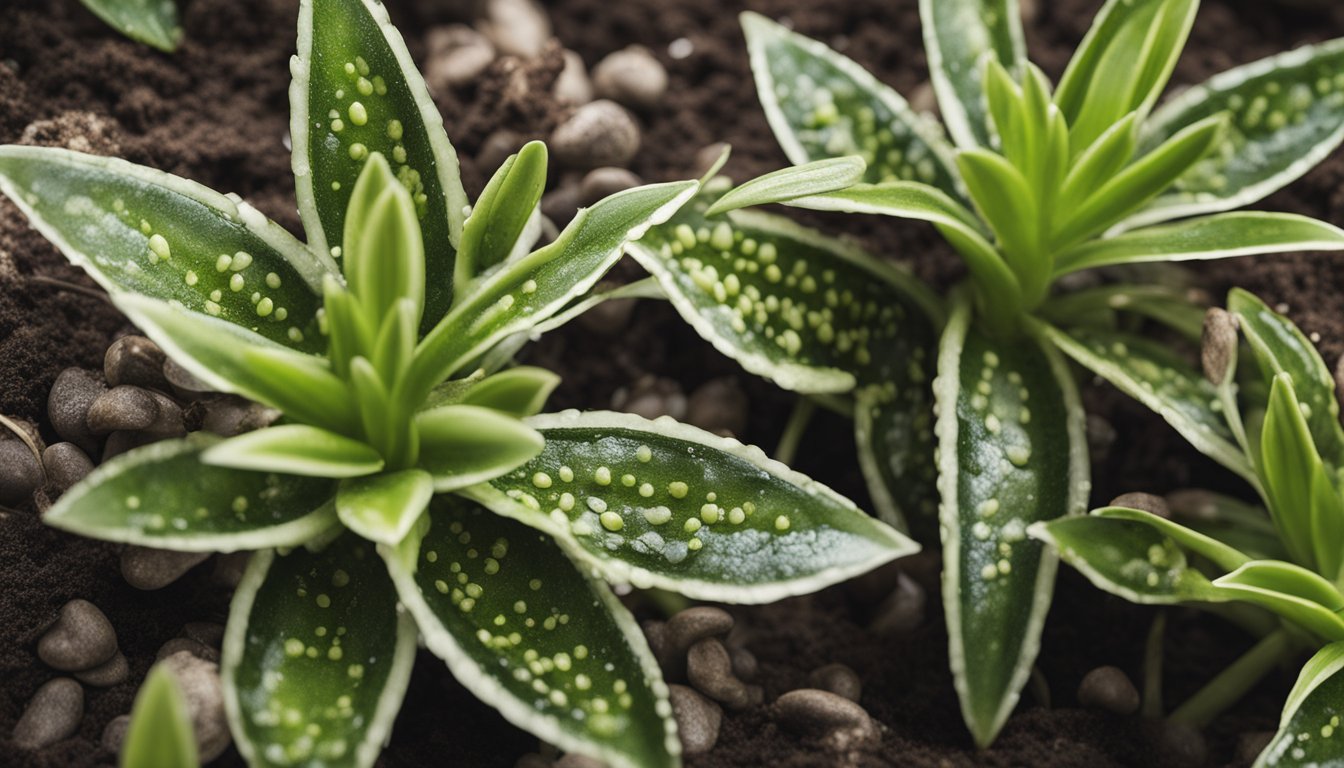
{"x": 229, "y": 569}
{"x": 147, "y": 568}
{"x": 112, "y": 672}
{"x": 207, "y": 632}
{"x": 66, "y": 465}
{"x": 923, "y": 99}
{"x": 745, "y": 665}
{"x": 458, "y": 55}
{"x": 81, "y": 638}
{"x": 169, "y": 422}
{"x": 114, "y": 733}
{"x": 516, "y": 27}
{"x": 902, "y": 611}
{"x": 204, "y": 696}
{"x": 68, "y": 405}
{"x": 1109, "y": 689}
{"x": 121, "y": 442}
{"x": 710, "y": 669}
{"x": 125, "y": 408}
{"x": 632, "y": 77}
{"x": 561, "y": 204}
{"x": 820, "y": 711}
{"x": 1250, "y": 745}
{"x": 838, "y": 679}
{"x": 52, "y": 714}
{"x": 690, "y": 626}
{"x": 705, "y": 158}
{"x": 1143, "y": 501}
{"x": 651, "y": 397}
{"x": 572, "y": 84}
{"x": 20, "y": 473}
{"x": 698, "y": 719}
{"x": 655, "y": 634}
{"x": 604, "y": 182}
{"x": 187, "y": 645}
{"x": 497, "y": 147}
{"x": 1218, "y": 348}
{"x": 718, "y": 406}
{"x": 598, "y": 133}
{"x": 134, "y": 360}
{"x": 1176, "y": 745}
{"x": 183, "y": 381}
{"x": 230, "y": 415}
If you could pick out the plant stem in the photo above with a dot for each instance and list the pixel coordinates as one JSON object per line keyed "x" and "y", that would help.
{"x": 1234, "y": 682}
{"x": 1152, "y": 667}
{"x": 801, "y": 416}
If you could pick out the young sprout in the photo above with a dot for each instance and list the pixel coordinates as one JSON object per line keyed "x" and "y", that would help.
{"x": 410, "y": 489}
{"x": 1042, "y": 181}
{"x": 160, "y": 732}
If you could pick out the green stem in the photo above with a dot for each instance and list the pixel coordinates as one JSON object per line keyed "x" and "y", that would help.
{"x": 803, "y": 409}
{"x": 1152, "y": 667}
{"x": 1236, "y": 681}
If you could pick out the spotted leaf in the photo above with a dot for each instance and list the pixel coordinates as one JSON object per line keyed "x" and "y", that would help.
{"x": 1011, "y": 453}
{"x": 355, "y": 92}
{"x": 821, "y": 104}
{"x": 1311, "y": 716}
{"x": 662, "y": 504}
{"x": 163, "y": 496}
{"x": 556, "y": 653}
{"x": 152, "y": 22}
{"x": 806, "y": 311}
{"x": 959, "y": 35}
{"x": 316, "y": 657}
{"x": 142, "y": 231}
{"x": 1161, "y": 380}
{"x": 1287, "y": 116}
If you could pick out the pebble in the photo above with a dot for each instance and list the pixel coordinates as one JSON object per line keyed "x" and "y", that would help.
{"x": 710, "y": 669}
{"x": 81, "y": 638}
{"x": 1144, "y": 501}
{"x": 1218, "y": 347}
{"x": 923, "y": 99}
{"x": 1250, "y": 745}
{"x": 902, "y": 611}
{"x": 121, "y": 442}
{"x": 229, "y": 569}
{"x": 561, "y": 204}
{"x": 169, "y": 422}
{"x": 745, "y": 665}
{"x": 1177, "y": 745}
{"x": 604, "y": 182}
{"x": 134, "y": 360}
{"x": 516, "y": 27}
{"x": 692, "y": 625}
{"x": 184, "y": 383}
{"x": 52, "y": 714}
{"x": 838, "y": 679}
{"x": 68, "y": 403}
{"x": 497, "y": 147}
{"x": 124, "y": 408}
{"x": 204, "y": 696}
{"x": 20, "y": 473}
{"x": 632, "y": 76}
{"x": 706, "y": 157}
{"x": 533, "y": 760}
{"x": 229, "y": 415}
{"x": 821, "y": 711}
{"x": 458, "y": 55}
{"x": 718, "y": 406}
{"x": 598, "y": 133}
{"x": 147, "y": 568}
{"x": 66, "y": 465}
{"x": 112, "y": 672}
{"x": 651, "y": 397}
{"x": 114, "y": 733}
{"x": 1108, "y": 689}
{"x": 186, "y": 644}
{"x": 572, "y": 84}
{"x": 207, "y": 632}
{"x": 698, "y": 719}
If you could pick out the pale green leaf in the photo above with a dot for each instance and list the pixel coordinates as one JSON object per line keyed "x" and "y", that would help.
{"x": 1311, "y": 716}
{"x": 1287, "y": 116}
{"x": 383, "y": 507}
{"x": 138, "y": 230}
{"x": 1288, "y": 458}
{"x": 1280, "y": 587}
{"x": 297, "y": 449}
{"x": 152, "y": 22}
{"x": 1327, "y": 523}
{"x": 821, "y": 104}
{"x": 1100, "y": 162}
{"x": 662, "y": 504}
{"x": 814, "y": 178}
{"x": 1244, "y": 527}
{"x": 461, "y": 445}
{"x": 1012, "y": 452}
{"x": 1218, "y": 553}
{"x": 1171, "y": 305}
{"x": 384, "y": 259}
{"x": 316, "y": 658}
{"x": 1007, "y": 204}
{"x": 520, "y": 391}
{"x": 959, "y": 35}
{"x": 355, "y": 92}
{"x": 159, "y": 734}
{"x": 556, "y": 653}
{"x": 162, "y": 496}
{"x": 1288, "y": 579}
{"x": 501, "y": 214}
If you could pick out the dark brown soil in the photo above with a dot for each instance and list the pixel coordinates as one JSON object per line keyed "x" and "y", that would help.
{"x": 216, "y": 112}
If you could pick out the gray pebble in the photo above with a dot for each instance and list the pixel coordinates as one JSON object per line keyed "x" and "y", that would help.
{"x": 838, "y": 679}
{"x": 923, "y": 99}
{"x": 147, "y": 568}
{"x": 186, "y": 644}
{"x": 121, "y": 442}
{"x": 561, "y": 204}
{"x": 1143, "y": 501}
{"x": 207, "y": 632}
{"x": 604, "y": 182}
{"x": 692, "y": 625}
{"x": 20, "y": 473}
{"x": 229, "y": 569}
{"x": 698, "y": 719}
{"x": 902, "y": 611}
{"x": 68, "y": 403}
{"x": 183, "y": 381}
{"x": 169, "y": 422}
{"x": 1108, "y": 689}
{"x": 745, "y": 665}
{"x": 230, "y": 415}
{"x": 112, "y": 672}
{"x": 516, "y": 27}
{"x": 718, "y": 406}
{"x": 572, "y": 84}
{"x": 81, "y": 638}
{"x": 651, "y": 397}
{"x": 124, "y": 408}
{"x": 632, "y": 77}
{"x": 1101, "y": 437}
{"x": 458, "y": 55}
{"x": 134, "y": 360}
{"x": 655, "y": 634}
{"x": 52, "y": 714}
{"x": 820, "y": 711}
{"x": 114, "y": 733}
{"x": 204, "y": 696}
{"x": 710, "y": 669}
{"x": 66, "y": 465}
{"x": 497, "y": 147}
{"x": 598, "y": 133}
{"x": 608, "y": 318}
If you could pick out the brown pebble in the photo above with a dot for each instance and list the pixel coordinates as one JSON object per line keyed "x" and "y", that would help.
{"x": 600, "y": 183}
{"x": 820, "y": 711}
{"x": 68, "y": 404}
{"x": 710, "y": 670}
{"x": 575, "y": 760}
{"x": 598, "y": 133}
{"x": 902, "y": 611}
{"x": 114, "y": 733}
{"x": 718, "y": 406}
{"x": 1218, "y": 347}
{"x": 20, "y": 473}
{"x": 745, "y": 665}
{"x": 52, "y": 714}
{"x": 698, "y": 719}
{"x": 838, "y": 679}
{"x": 194, "y": 647}
{"x": 124, "y": 408}
{"x": 572, "y": 84}
{"x": 112, "y": 672}
{"x": 207, "y": 632}
{"x": 66, "y": 465}
{"x": 705, "y": 158}
{"x": 81, "y": 638}
{"x": 560, "y": 205}
{"x": 147, "y": 568}
{"x": 1176, "y": 745}
{"x": 204, "y": 695}
{"x": 631, "y": 76}
{"x": 184, "y": 382}
{"x": 1250, "y": 745}
{"x": 1109, "y": 689}
{"x": 134, "y": 360}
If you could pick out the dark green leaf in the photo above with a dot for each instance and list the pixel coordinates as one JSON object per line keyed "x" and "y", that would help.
{"x": 1220, "y": 554}
{"x": 1311, "y": 717}
{"x": 958, "y": 36}
{"x": 501, "y": 214}
{"x": 159, "y": 735}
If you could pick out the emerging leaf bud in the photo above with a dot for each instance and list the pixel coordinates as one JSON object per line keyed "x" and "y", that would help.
{"x": 1218, "y": 350}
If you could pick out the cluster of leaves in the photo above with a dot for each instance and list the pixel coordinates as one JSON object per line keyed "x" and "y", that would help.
{"x": 152, "y": 22}
{"x": 1281, "y": 420}
{"x": 409, "y": 469}
{"x": 1042, "y": 181}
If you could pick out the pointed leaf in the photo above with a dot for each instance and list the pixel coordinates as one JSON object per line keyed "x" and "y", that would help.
{"x": 662, "y": 504}
{"x": 1230, "y": 521}
{"x": 1161, "y": 380}
{"x": 316, "y": 657}
{"x": 520, "y": 391}
{"x": 1253, "y": 584}
{"x": 138, "y": 230}
{"x": 152, "y": 22}
{"x": 462, "y": 445}
{"x": 821, "y": 104}
{"x": 1289, "y": 579}
{"x": 162, "y": 496}
{"x": 1327, "y": 523}
{"x": 1287, "y": 116}
{"x": 1011, "y": 452}
{"x": 786, "y": 302}
{"x": 959, "y": 35}
{"x": 1099, "y": 162}
{"x": 814, "y": 178}
{"x": 556, "y": 653}
{"x": 355, "y": 92}
{"x": 501, "y": 214}
{"x": 1311, "y": 716}
{"x": 298, "y": 449}
{"x": 384, "y": 254}
{"x": 893, "y": 430}
{"x": 1288, "y": 459}
{"x": 383, "y": 507}
{"x": 1220, "y": 554}
{"x": 1006, "y": 203}
{"x": 160, "y": 730}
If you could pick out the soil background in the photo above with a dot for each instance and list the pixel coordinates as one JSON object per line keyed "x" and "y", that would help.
{"x": 217, "y": 112}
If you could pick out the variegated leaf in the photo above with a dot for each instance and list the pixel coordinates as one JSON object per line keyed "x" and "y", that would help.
{"x": 1311, "y": 717}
